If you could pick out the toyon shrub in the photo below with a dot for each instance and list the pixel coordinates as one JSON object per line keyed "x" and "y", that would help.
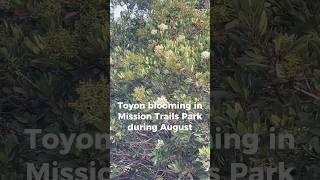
{"x": 160, "y": 55}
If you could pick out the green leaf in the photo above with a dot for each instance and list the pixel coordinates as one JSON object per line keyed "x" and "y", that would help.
{"x": 263, "y": 24}
{"x": 276, "y": 120}
{"x": 30, "y": 45}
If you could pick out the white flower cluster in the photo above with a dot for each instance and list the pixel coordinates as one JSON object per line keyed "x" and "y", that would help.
{"x": 154, "y": 31}
{"x": 162, "y": 27}
{"x": 168, "y": 55}
{"x": 111, "y": 61}
{"x": 160, "y": 144}
{"x": 161, "y": 100}
{"x": 205, "y": 55}
{"x": 158, "y": 49}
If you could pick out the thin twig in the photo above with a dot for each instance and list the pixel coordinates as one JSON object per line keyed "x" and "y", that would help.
{"x": 308, "y": 93}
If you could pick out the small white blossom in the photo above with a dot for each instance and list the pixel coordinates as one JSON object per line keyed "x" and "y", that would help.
{"x": 111, "y": 61}
{"x": 168, "y": 55}
{"x": 158, "y": 49}
{"x": 161, "y": 100}
{"x": 154, "y": 31}
{"x": 205, "y": 55}
{"x": 160, "y": 144}
{"x": 162, "y": 27}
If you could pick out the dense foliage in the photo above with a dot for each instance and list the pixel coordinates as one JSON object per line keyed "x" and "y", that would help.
{"x": 161, "y": 55}
{"x": 265, "y": 64}
{"x": 52, "y": 58}
{"x": 264, "y": 70}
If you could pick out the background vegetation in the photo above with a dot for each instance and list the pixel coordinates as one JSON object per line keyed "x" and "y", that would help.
{"x": 265, "y": 72}
{"x": 53, "y": 56}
